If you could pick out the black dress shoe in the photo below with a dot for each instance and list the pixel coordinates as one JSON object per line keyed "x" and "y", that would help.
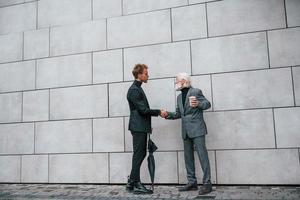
{"x": 130, "y": 184}
{"x": 205, "y": 189}
{"x": 139, "y": 188}
{"x": 188, "y": 187}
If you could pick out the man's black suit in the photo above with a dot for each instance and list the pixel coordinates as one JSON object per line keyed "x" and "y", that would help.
{"x": 139, "y": 125}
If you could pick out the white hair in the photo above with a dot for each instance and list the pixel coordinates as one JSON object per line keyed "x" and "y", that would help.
{"x": 186, "y": 77}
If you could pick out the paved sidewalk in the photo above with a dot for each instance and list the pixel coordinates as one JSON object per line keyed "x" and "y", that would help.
{"x": 117, "y": 192}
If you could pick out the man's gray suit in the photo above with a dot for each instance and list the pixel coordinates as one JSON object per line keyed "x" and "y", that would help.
{"x": 193, "y": 133}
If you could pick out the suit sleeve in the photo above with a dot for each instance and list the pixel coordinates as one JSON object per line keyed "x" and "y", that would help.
{"x": 203, "y": 102}
{"x": 137, "y": 99}
{"x": 174, "y": 115}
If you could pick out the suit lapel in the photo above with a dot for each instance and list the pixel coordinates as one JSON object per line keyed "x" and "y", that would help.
{"x": 187, "y": 98}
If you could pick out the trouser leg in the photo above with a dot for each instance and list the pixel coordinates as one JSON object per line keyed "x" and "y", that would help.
{"x": 189, "y": 160}
{"x": 139, "y": 154}
{"x": 201, "y": 150}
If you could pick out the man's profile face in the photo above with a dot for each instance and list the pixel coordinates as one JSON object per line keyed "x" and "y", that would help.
{"x": 144, "y": 76}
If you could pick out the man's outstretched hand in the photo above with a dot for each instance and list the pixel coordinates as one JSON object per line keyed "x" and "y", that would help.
{"x": 163, "y": 113}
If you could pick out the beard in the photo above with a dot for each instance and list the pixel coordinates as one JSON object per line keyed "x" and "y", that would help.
{"x": 178, "y": 86}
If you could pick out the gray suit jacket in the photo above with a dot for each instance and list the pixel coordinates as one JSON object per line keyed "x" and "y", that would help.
{"x": 193, "y": 124}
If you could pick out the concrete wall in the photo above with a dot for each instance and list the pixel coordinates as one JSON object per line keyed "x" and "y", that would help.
{"x": 65, "y": 67}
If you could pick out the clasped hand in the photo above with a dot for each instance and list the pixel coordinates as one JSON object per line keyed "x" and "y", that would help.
{"x": 163, "y": 113}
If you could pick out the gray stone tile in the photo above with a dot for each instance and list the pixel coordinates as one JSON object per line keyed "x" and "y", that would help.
{"x": 17, "y": 22}
{"x": 79, "y": 38}
{"x": 10, "y": 169}
{"x": 64, "y": 71}
{"x": 292, "y": 12}
{"x": 284, "y": 47}
{"x": 61, "y": 12}
{"x": 156, "y": 99}
{"x": 287, "y": 126}
{"x": 63, "y": 136}
{"x": 198, "y": 169}
{"x": 191, "y": 18}
{"x": 36, "y": 44}
{"x": 36, "y": 105}
{"x": 224, "y": 17}
{"x": 118, "y": 173}
{"x": 136, "y": 6}
{"x": 17, "y": 76}
{"x": 15, "y": 50}
{"x": 296, "y": 79}
{"x": 147, "y": 25}
{"x": 107, "y": 66}
{"x": 34, "y": 168}
{"x": 108, "y": 135}
{"x": 245, "y": 90}
{"x": 276, "y": 166}
{"x": 79, "y": 102}
{"x": 240, "y": 129}
{"x": 162, "y": 59}
{"x": 231, "y": 53}
{"x": 17, "y": 138}
{"x": 11, "y": 107}
{"x": 107, "y": 8}
{"x": 118, "y": 104}
{"x": 10, "y": 2}
{"x": 74, "y": 168}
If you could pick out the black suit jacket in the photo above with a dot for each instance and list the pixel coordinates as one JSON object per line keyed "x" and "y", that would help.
{"x": 140, "y": 112}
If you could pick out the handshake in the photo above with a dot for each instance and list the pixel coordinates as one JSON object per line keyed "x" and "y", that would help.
{"x": 163, "y": 113}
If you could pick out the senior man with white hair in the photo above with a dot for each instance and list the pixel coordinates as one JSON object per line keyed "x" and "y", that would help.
{"x": 190, "y": 105}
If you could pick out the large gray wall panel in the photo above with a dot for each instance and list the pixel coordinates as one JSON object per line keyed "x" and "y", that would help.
{"x": 82, "y": 168}
{"x": 23, "y": 134}
{"x": 12, "y": 18}
{"x": 64, "y": 71}
{"x": 141, "y": 29}
{"x": 108, "y": 135}
{"x": 61, "y": 12}
{"x": 108, "y": 66}
{"x": 11, "y": 107}
{"x": 17, "y": 76}
{"x": 162, "y": 59}
{"x": 36, "y": 44}
{"x": 292, "y": 12}
{"x": 79, "y": 102}
{"x": 36, "y": 105}
{"x": 240, "y": 129}
{"x": 231, "y": 53}
{"x": 235, "y": 16}
{"x": 245, "y": 90}
{"x": 34, "y": 168}
{"x": 13, "y": 50}
{"x": 284, "y": 47}
{"x": 191, "y": 18}
{"x": 106, "y": 8}
{"x": 10, "y": 169}
{"x": 287, "y": 127}
{"x": 278, "y": 166}
{"x": 63, "y": 136}
{"x": 84, "y": 37}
